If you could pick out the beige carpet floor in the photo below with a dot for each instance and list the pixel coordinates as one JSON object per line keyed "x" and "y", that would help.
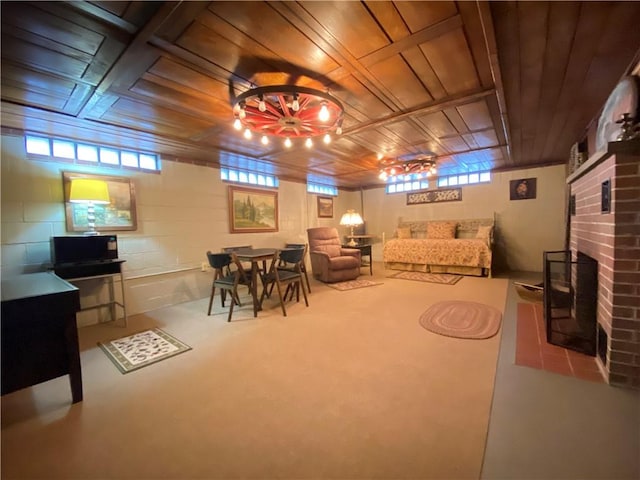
{"x": 350, "y": 387}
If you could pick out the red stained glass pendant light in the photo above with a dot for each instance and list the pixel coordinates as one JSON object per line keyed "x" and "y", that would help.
{"x": 288, "y": 111}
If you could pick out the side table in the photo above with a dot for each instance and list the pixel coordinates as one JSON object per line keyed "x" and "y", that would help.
{"x": 365, "y": 251}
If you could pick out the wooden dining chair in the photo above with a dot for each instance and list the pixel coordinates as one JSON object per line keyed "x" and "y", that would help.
{"x": 227, "y": 280}
{"x": 291, "y": 279}
{"x": 283, "y": 265}
{"x": 303, "y": 265}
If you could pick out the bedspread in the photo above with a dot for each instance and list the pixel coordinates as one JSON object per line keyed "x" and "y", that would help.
{"x": 470, "y": 252}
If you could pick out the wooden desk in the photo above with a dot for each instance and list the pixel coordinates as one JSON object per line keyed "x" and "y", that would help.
{"x": 255, "y": 256}
{"x": 105, "y": 269}
{"x": 39, "y": 332}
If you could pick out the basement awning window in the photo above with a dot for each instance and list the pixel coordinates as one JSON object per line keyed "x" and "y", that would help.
{"x": 464, "y": 179}
{"x": 322, "y": 189}
{"x": 84, "y": 153}
{"x": 248, "y": 177}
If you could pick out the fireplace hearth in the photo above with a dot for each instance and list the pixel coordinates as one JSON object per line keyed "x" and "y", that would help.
{"x": 570, "y": 300}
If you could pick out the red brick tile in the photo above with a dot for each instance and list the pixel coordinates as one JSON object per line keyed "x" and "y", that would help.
{"x": 529, "y": 360}
{"x": 533, "y": 351}
{"x": 556, "y": 364}
{"x": 528, "y": 348}
{"x": 584, "y": 362}
{"x": 549, "y": 349}
{"x": 591, "y": 375}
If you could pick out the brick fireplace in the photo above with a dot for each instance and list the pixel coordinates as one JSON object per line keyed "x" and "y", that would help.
{"x": 605, "y": 225}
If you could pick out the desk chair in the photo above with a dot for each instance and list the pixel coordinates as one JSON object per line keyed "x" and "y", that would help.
{"x": 227, "y": 280}
{"x": 292, "y": 279}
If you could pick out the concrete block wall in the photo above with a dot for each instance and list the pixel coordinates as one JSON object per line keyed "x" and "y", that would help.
{"x": 182, "y": 212}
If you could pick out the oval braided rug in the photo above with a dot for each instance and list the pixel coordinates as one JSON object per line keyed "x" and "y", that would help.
{"x": 462, "y": 319}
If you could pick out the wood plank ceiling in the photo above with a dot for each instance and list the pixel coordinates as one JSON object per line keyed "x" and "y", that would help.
{"x": 482, "y": 85}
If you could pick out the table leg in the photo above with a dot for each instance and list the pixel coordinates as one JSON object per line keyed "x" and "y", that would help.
{"x": 254, "y": 287}
{"x": 73, "y": 358}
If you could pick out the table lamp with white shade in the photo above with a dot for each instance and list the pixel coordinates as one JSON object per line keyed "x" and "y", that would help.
{"x": 351, "y": 219}
{"x": 92, "y": 192}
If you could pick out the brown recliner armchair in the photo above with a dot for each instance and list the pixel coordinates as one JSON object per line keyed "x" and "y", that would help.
{"x": 330, "y": 262}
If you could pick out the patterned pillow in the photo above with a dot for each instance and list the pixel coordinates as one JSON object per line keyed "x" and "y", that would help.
{"x": 441, "y": 230}
{"x": 404, "y": 232}
{"x": 484, "y": 232}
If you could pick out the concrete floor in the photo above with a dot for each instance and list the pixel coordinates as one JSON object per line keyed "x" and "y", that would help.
{"x": 549, "y": 426}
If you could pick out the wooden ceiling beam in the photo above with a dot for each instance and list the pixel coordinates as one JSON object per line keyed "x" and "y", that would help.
{"x": 426, "y": 108}
{"x": 492, "y": 52}
{"x": 135, "y": 59}
{"x": 321, "y": 37}
{"x": 412, "y": 40}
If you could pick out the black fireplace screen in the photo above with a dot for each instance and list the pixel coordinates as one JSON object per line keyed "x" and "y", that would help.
{"x": 570, "y": 300}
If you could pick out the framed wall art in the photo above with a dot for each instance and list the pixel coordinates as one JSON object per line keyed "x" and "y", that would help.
{"x": 325, "y": 207}
{"x": 522, "y": 189}
{"x": 252, "y": 210}
{"x": 434, "y": 196}
{"x": 119, "y": 214}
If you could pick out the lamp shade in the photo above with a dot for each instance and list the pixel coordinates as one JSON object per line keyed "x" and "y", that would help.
{"x": 351, "y": 219}
{"x": 84, "y": 190}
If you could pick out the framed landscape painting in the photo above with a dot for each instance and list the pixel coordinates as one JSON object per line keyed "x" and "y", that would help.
{"x": 252, "y": 210}
{"x": 118, "y": 215}
{"x": 325, "y": 207}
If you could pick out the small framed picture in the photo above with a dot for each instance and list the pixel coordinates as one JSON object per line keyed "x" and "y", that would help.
{"x": 325, "y": 207}
{"x": 522, "y": 189}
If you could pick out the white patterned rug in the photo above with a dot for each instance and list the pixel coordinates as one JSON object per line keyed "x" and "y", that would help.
{"x": 351, "y": 284}
{"x": 142, "y": 349}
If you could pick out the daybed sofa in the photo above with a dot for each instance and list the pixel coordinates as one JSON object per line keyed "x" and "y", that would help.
{"x": 444, "y": 246}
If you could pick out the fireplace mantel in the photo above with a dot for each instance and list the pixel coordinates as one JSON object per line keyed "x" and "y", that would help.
{"x": 628, "y": 147}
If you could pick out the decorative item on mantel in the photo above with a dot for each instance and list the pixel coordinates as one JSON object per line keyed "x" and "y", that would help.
{"x": 578, "y": 155}
{"x": 623, "y": 99}
{"x": 629, "y": 129}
